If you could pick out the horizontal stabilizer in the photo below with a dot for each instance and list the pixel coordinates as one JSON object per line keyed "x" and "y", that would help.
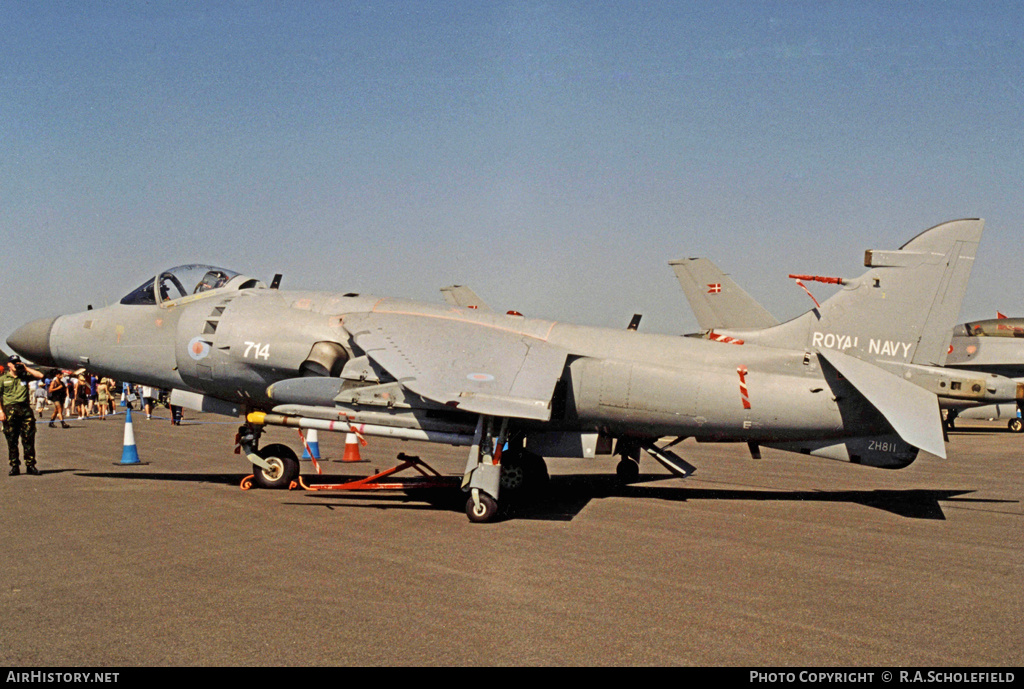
{"x": 912, "y": 411}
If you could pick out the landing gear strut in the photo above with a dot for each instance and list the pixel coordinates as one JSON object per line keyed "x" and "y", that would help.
{"x": 482, "y": 479}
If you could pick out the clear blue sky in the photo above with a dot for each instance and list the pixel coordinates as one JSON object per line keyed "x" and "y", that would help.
{"x": 552, "y": 155}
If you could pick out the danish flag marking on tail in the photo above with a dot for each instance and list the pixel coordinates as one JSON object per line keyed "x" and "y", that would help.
{"x": 744, "y": 394}
{"x": 714, "y": 287}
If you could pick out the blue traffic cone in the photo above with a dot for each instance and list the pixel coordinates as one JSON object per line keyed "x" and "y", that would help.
{"x": 312, "y": 445}
{"x": 130, "y": 454}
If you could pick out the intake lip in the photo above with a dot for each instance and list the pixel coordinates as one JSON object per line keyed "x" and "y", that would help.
{"x": 32, "y": 341}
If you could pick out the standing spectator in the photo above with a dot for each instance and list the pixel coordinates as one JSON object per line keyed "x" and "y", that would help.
{"x": 90, "y": 407}
{"x": 111, "y": 388}
{"x": 16, "y": 414}
{"x": 69, "y": 401}
{"x": 39, "y": 396}
{"x": 102, "y": 398}
{"x": 129, "y": 396}
{"x": 58, "y": 394}
{"x": 148, "y": 400}
{"x": 81, "y": 395}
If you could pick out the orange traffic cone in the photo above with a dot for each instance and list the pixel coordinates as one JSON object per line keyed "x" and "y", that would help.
{"x": 351, "y": 449}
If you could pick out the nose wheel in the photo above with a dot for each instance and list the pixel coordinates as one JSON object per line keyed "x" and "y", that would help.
{"x": 283, "y": 467}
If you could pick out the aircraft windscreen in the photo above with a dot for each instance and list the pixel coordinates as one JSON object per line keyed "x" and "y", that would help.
{"x": 141, "y": 295}
{"x": 179, "y": 282}
{"x": 1000, "y": 327}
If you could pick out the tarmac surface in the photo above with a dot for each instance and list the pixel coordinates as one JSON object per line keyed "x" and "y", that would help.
{"x": 787, "y": 560}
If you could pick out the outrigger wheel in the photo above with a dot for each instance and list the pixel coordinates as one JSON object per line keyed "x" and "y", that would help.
{"x": 284, "y": 466}
{"x": 1016, "y": 425}
{"x": 481, "y": 509}
{"x": 627, "y": 470}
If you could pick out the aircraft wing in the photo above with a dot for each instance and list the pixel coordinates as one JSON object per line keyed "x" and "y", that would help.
{"x": 717, "y": 301}
{"x": 471, "y": 366}
{"x": 460, "y": 295}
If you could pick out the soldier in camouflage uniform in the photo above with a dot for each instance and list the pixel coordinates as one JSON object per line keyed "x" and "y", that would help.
{"x": 16, "y": 414}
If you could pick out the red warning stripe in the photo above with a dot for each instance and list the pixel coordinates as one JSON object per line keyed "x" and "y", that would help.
{"x": 743, "y": 393}
{"x": 712, "y": 335}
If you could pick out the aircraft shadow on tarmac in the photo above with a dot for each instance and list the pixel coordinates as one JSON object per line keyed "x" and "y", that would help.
{"x": 566, "y": 496}
{"x": 226, "y": 479}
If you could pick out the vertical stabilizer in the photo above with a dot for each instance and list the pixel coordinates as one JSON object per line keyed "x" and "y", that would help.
{"x": 903, "y": 309}
{"x": 717, "y": 301}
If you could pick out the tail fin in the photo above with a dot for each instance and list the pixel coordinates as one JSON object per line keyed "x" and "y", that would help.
{"x": 903, "y": 309}
{"x": 716, "y": 300}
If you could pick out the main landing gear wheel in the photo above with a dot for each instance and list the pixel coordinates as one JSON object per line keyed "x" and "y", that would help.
{"x": 485, "y": 509}
{"x": 284, "y": 467}
{"x": 1016, "y": 425}
{"x": 523, "y": 473}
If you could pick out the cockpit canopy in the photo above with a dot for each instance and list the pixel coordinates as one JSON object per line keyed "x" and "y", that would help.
{"x": 996, "y": 327}
{"x": 184, "y": 281}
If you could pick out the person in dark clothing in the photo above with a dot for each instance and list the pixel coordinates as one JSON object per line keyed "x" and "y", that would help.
{"x": 16, "y": 414}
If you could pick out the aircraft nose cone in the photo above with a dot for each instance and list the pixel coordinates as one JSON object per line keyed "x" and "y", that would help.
{"x": 32, "y": 341}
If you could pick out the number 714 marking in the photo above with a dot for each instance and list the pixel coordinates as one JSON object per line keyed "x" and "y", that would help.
{"x": 259, "y": 350}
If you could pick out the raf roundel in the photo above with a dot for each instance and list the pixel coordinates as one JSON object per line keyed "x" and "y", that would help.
{"x": 198, "y": 348}
{"x": 480, "y": 377}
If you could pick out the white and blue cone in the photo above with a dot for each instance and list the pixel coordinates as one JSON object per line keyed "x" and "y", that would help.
{"x": 130, "y": 453}
{"x": 312, "y": 445}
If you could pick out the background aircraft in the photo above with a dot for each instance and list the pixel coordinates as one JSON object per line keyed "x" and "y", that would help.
{"x": 994, "y": 346}
{"x": 515, "y": 389}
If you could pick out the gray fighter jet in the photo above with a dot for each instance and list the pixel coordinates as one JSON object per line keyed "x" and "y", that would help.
{"x": 978, "y": 351}
{"x": 995, "y": 346}
{"x": 515, "y": 389}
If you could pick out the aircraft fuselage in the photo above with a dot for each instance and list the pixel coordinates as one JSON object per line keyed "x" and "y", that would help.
{"x": 232, "y": 345}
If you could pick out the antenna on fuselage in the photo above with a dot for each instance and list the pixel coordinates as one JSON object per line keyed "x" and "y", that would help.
{"x": 276, "y": 282}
